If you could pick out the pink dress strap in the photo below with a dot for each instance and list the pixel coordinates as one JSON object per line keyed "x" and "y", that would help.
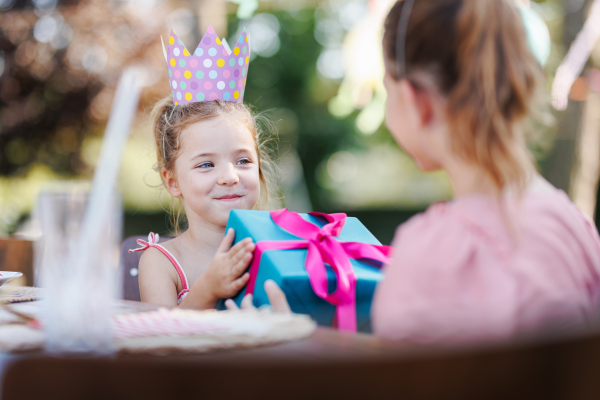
{"x": 153, "y": 242}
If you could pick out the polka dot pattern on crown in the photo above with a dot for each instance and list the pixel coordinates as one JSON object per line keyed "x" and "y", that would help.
{"x": 210, "y": 72}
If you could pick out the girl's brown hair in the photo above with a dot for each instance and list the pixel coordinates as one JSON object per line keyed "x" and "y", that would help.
{"x": 169, "y": 121}
{"x": 476, "y": 53}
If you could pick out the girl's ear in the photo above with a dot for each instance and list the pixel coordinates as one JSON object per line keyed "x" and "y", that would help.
{"x": 171, "y": 182}
{"x": 421, "y": 101}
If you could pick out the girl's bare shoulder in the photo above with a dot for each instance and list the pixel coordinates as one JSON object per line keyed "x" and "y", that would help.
{"x": 154, "y": 262}
{"x": 173, "y": 245}
{"x": 158, "y": 279}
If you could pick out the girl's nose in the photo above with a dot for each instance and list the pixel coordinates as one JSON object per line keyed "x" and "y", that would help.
{"x": 228, "y": 176}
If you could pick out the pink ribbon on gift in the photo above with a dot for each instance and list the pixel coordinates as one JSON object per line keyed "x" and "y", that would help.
{"x": 322, "y": 247}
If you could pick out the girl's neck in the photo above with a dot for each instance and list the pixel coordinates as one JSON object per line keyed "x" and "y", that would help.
{"x": 203, "y": 237}
{"x": 472, "y": 181}
{"x": 468, "y": 179}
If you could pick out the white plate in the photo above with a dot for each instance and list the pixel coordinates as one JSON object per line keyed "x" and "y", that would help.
{"x": 6, "y": 276}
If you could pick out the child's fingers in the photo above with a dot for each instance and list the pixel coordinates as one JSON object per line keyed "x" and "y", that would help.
{"x": 230, "y": 304}
{"x": 237, "y": 253}
{"x": 239, "y": 283}
{"x": 227, "y": 241}
{"x": 241, "y": 264}
{"x": 247, "y": 302}
{"x": 242, "y": 246}
{"x": 277, "y": 298}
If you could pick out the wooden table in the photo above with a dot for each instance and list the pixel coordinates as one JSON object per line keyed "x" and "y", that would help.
{"x": 330, "y": 364}
{"x": 17, "y": 255}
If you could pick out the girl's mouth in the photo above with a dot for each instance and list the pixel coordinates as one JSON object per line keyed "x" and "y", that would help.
{"x": 229, "y": 197}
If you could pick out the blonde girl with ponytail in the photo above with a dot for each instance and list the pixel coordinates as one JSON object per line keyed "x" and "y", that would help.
{"x": 510, "y": 254}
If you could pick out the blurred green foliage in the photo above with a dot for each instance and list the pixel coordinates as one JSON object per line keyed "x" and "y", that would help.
{"x": 283, "y": 84}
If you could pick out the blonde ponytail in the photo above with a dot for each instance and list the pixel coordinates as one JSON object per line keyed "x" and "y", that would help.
{"x": 497, "y": 79}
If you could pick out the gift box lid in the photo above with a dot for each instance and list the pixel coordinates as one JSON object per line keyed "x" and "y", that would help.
{"x": 260, "y": 226}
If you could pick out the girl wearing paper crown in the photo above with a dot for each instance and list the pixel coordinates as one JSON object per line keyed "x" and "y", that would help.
{"x": 211, "y": 158}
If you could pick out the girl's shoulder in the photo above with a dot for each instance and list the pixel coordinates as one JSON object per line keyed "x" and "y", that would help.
{"x": 155, "y": 245}
{"x": 463, "y": 223}
{"x": 161, "y": 280}
{"x": 153, "y": 258}
{"x": 439, "y": 218}
{"x": 441, "y": 227}
{"x": 156, "y": 273}
{"x": 157, "y": 258}
{"x": 541, "y": 216}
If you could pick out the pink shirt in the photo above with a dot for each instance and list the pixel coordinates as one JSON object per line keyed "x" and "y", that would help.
{"x": 459, "y": 275}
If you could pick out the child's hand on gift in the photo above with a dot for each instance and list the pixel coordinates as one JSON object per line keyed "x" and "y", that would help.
{"x": 225, "y": 275}
{"x": 277, "y": 299}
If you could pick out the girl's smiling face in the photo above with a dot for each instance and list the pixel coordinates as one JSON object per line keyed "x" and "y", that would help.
{"x": 216, "y": 170}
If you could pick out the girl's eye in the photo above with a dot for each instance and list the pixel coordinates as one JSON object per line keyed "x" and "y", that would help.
{"x": 244, "y": 161}
{"x": 206, "y": 165}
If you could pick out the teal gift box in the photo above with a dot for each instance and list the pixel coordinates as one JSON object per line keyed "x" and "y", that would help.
{"x": 287, "y": 267}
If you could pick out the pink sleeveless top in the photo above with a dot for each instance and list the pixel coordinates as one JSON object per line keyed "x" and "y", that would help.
{"x": 153, "y": 242}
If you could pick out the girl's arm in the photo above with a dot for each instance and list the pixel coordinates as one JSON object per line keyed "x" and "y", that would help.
{"x": 157, "y": 279}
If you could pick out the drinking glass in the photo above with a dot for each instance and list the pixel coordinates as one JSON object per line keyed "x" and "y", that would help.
{"x": 80, "y": 278}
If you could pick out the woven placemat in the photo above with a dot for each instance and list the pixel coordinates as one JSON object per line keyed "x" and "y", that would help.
{"x": 17, "y": 294}
{"x": 211, "y": 331}
{"x": 219, "y": 330}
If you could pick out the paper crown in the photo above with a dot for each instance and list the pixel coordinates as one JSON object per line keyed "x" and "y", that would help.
{"x": 212, "y": 72}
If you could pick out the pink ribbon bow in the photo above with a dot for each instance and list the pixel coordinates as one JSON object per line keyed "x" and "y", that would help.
{"x": 152, "y": 240}
{"x": 322, "y": 248}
